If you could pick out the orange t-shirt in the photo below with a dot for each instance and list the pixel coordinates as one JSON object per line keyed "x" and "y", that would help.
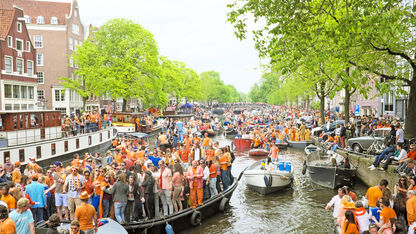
{"x": 140, "y": 154}
{"x": 115, "y": 143}
{"x": 75, "y": 162}
{"x": 188, "y": 143}
{"x": 184, "y": 155}
{"x": 373, "y": 194}
{"x": 210, "y": 154}
{"x": 212, "y": 171}
{"x": 275, "y": 151}
{"x": 412, "y": 155}
{"x": 8, "y": 226}
{"x": 84, "y": 214}
{"x": 9, "y": 200}
{"x": 207, "y": 141}
{"x": 223, "y": 159}
{"x": 352, "y": 228}
{"x": 387, "y": 213}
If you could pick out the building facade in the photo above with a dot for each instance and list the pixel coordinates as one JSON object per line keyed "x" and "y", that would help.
{"x": 18, "y": 81}
{"x": 56, "y": 31}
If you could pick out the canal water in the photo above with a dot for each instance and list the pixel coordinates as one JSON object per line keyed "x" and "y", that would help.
{"x": 300, "y": 209}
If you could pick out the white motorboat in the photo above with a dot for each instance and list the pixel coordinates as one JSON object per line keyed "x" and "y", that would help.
{"x": 311, "y": 148}
{"x": 267, "y": 179}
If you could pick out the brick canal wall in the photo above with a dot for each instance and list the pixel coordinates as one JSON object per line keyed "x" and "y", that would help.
{"x": 362, "y": 162}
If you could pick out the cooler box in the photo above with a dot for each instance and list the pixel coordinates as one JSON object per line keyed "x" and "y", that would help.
{"x": 288, "y": 166}
{"x": 281, "y": 166}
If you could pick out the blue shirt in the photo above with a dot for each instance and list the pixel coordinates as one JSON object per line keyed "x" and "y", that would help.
{"x": 22, "y": 221}
{"x": 179, "y": 125}
{"x": 155, "y": 160}
{"x": 36, "y": 194}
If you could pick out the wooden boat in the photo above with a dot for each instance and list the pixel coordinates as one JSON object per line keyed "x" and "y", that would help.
{"x": 230, "y": 133}
{"x": 242, "y": 144}
{"x": 258, "y": 152}
{"x": 126, "y": 122}
{"x": 211, "y": 133}
{"x": 324, "y": 172}
{"x": 311, "y": 148}
{"x": 282, "y": 145}
{"x": 299, "y": 144}
{"x": 268, "y": 181}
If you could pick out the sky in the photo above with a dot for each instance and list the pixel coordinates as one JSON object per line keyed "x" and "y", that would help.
{"x": 192, "y": 31}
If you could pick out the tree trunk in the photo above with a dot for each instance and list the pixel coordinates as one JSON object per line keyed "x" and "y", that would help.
{"x": 124, "y": 108}
{"x": 347, "y": 104}
{"x": 410, "y": 128}
{"x": 322, "y": 108}
{"x": 84, "y": 102}
{"x": 307, "y": 103}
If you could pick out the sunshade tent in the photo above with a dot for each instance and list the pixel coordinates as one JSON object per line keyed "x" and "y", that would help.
{"x": 187, "y": 105}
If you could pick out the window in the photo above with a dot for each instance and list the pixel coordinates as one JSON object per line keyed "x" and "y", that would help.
{"x": 7, "y": 91}
{"x": 16, "y": 91}
{"x": 31, "y": 92}
{"x": 19, "y": 45}
{"x": 75, "y": 29}
{"x": 40, "y": 20}
{"x": 39, "y": 59}
{"x": 75, "y": 44}
{"x": 24, "y": 91}
{"x": 71, "y": 44}
{"x": 89, "y": 140}
{"x": 10, "y": 41}
{"x": 53, "y": 149}
{"x": 77, "y": 143}
{"x": 66, "y": 146}
{"x": 8, "y": 107}
{"x": 19, "y": 66}
{"x": 24, "y": 106}
{"x": 41, "y": 77}
{"x": 8, "y": 62}
{"x": 29, "y": 68}
{"x": 28, "y": 20}
{"x": 41, "y": 94}
{"x": 71, "y": 62}
{"x": 22, "y": 155}
{"x": 16, "y": 107}
{"x": 54, "y": 20}
{"x": 19, "y": 27}
{"x": 38, "y": 152}
{"x": 38, "y": 39}
{"x": 28, "y": 46}
{"x": 59, "y": 95}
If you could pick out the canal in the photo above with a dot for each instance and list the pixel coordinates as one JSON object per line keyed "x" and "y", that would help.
{"x": 299, "y": 209}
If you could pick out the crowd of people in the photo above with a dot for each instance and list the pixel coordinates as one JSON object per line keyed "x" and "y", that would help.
{"x": 129, "y": 184}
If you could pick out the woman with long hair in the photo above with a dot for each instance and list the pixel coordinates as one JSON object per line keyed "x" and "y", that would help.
{"x": 106, "y": 196}
{"x": 349, "y": 226}
{"x": 401, "y": 186}
{"x": 177, "y": 180}
{"x": 148, "y": 185}
{"x": 120, "y": 191}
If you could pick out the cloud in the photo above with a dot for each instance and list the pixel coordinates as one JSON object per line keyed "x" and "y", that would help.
{"x": 192, "y": 31}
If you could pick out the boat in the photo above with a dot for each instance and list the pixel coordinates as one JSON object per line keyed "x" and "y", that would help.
{"x": 311, "y": 148}
{"x": 323, "y": 170}
{"x": 38, "y": 134}
{"x": 125, "y": 122}
{"x": 230, "y": 133}
{"x": 242, "y": 143}
{"x": 268, "y": 181}
{"x": 299, "y": 144}
{"x": 108, "y": 226}
{"x": 258, "y": 152}
{"x": 282, "y": 145}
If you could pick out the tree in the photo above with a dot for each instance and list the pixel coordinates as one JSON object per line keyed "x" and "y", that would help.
{"x": 372, "y": 37}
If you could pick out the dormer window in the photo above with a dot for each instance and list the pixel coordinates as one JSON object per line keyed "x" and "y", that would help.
{"x": 54, "y": 20}
{"x": 19, "y": 27}
{"x": 28, "y": 20}
{"x": 40, "y": 20}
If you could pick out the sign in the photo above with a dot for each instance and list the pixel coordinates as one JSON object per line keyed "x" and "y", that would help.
{"x": 357, "y": 110}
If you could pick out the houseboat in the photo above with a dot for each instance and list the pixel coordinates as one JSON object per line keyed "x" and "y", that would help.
{"x": 39, "y": 135}
{"x": 126, "y": 122}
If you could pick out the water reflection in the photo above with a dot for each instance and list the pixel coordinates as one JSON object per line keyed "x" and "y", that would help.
{"x": 299, "y": 209}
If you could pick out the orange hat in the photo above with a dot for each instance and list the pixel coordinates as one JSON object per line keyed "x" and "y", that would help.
{"x": 17, "y": 163}
{"x": 84, "y": 195}
{"x": 74, "y": 167}
{"x": 35, "y": 176}
{"x": 349, "y": 205}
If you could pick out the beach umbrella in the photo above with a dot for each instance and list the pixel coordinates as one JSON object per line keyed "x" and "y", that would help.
{"x": 187, "y": 105}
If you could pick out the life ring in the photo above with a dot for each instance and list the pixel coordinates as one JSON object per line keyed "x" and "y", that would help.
{"x": 196, "y": 218}
{"x": 304, "y": 168}
{"x": 223, "y": 204}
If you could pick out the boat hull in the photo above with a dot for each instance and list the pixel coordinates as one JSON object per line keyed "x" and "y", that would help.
{"x": 299, "y": 144}
{"x": 242, "y": 144}
{"x": 255, "y": 180}
{"x": 282, "y": 145}
{"x": 258, "y": 152}
{"x": 329, "y": 176}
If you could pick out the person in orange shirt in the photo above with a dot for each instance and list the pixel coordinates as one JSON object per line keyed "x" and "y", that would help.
{"x": 210, "y": 152}
{"x": 349, "y": 226}
{"x": 115, "y": 143}
{"x": 386, "y": 214}
{"x": 76, "y": 161}
{"x": 16, "y": 174}
{"x": 224, "y": 166}
{"x": 7, "y": 225}
{"x": 373, "y": 194}
{"x": 212, "y": 178}
{"x": 86, "y": 214}
{"x": 187, "y": 142}
{"x": 8, "y": 198}
{"x": 207, "y": 141}
{"x": 411, "y": 209}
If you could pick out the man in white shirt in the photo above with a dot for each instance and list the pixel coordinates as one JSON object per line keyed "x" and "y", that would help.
{"x": 399, "y": 134}
{"x": 205, "y": 179}
{"x": 336, "y": 201}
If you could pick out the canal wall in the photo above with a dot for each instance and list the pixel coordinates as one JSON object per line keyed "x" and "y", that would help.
{"x": 367, "y": 176}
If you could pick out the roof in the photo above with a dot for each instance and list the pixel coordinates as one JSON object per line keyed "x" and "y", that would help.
{"x": 6, "y": 19}
{"x": 35, "y": 8}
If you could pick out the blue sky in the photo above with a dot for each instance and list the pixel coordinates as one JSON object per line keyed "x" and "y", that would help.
{"x": 192, "y": 31}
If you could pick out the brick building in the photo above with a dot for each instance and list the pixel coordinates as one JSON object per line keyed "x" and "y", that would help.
{"x": 17, "y": 63}
{"x": 56, "y": 30}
